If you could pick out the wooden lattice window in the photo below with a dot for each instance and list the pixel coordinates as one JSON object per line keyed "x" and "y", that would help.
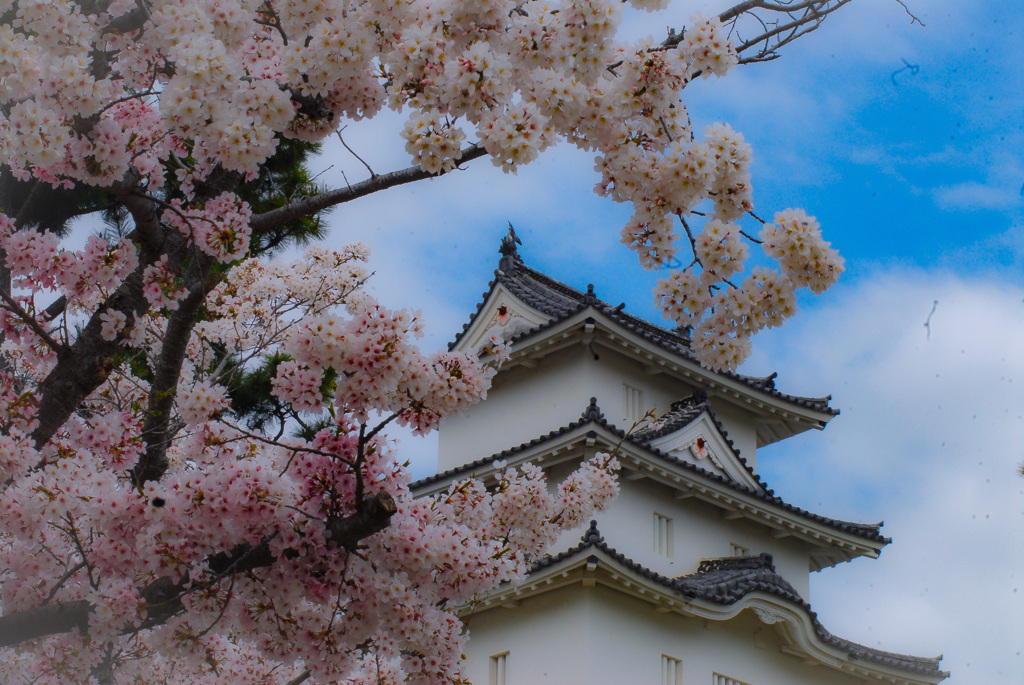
{"x": 499, "y": 669}
{"x": 662, "y": 535}
{"x": 719, "y": 679}
{"x": 671, "y": 670}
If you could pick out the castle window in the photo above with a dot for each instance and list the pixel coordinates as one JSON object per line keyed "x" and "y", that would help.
{"x": 719, "y": 679}
{"x": 738, "y": 550}
{"x": 499, "y": 669}
{"x": 671, "y": 670}
{"x": 662, "y": 535}
{"x": 634, "y": 403}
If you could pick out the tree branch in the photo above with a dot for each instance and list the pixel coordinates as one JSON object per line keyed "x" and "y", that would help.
{"x": 88, "y": 362}
{"x": 163, "y": 597}
{"x": 317, "y": 203}
{"x": 49, "y": 619}
{"x": 30, "y": 321}
{"x": 153, "y": 464}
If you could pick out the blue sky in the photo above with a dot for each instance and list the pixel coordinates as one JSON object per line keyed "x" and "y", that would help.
{"x": 917, "y": 176}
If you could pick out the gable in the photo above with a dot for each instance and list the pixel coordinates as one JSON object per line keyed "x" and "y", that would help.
{"x": 502, "y": 314}
{"x": 702, "y": 444}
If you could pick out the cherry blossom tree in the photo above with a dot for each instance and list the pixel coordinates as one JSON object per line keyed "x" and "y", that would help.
{"x": 194, "y": 481}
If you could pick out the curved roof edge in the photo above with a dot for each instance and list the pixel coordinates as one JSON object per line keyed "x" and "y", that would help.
{"x": 740, "y": 583}
{"x": 593, "y": 416}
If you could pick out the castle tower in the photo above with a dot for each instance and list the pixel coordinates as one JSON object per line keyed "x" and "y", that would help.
{"x": 698, "y": 572}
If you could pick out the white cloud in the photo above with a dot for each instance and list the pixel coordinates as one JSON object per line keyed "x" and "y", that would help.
{"x": 972, "y": 195}
{"x": 930, "y": 438}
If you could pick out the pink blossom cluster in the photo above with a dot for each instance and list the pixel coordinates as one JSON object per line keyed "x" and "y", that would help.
{"x": 38, "y": 262}
{"x": 377, "y": 368}
{"x": 161, "y": 289}
{"x": 354, "y": 615}
{"x": 220, "y": 228}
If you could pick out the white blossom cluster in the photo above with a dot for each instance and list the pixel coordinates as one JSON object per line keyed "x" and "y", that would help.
{"x": 724, "y": 319}
{"x": 214, "y": 82}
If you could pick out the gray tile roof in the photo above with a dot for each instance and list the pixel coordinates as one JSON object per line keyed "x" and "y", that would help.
{"x": 593, "y": 415}
{"x": 727, "y": 580}
{"x": 559, "y": 301}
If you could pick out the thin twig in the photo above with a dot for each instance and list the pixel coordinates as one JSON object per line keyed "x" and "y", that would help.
{"x": 30, "y": 321}
{"x": 759, "y": 219}
{"x": 693, "y": 241}
{"x": 910, "y": 14}
{"x": 353, "y": 153}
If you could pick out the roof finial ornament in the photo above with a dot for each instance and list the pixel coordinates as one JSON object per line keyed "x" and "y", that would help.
{"x": 590, "y": 297}
{"x": 592, "y": 535}
{"x": 509, "y": 254}
{"x": 592, "y": 412}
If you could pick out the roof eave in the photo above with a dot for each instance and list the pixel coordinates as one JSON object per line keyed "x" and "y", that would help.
{"x": 834, "y": 546}
{"x": 778, "y": 418}
{"x": 591, "y": 566}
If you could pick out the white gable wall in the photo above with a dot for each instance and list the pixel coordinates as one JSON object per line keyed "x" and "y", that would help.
{"x": 739, "y": 424}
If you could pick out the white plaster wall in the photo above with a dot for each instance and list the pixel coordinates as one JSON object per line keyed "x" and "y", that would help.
{"x": 545, "y": 637}
{"x": 524, "y": 404}
{"x": 698, "y": 532}
{"x": 628, "y": 638}
{"x": 599, "y": 636}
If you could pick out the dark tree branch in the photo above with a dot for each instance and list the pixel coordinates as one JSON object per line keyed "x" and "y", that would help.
{"x": 299, "y": 679}
{"x": 163, "y": 597}
{"x": 164, "y": 388}
{"x": 372, "y": 516}
{"x": 318, "y": 203}
{"x": 781, "y": 22}
{"x": 144, "y": 215}
{"x": 796, "y": 19}
{"x": 30, "y": 321}
{"x": 48, "y": 619}
{"x": 85, "y": 366}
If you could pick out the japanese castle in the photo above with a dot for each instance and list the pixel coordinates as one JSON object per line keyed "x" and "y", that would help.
{"x": 698, "y": 573}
